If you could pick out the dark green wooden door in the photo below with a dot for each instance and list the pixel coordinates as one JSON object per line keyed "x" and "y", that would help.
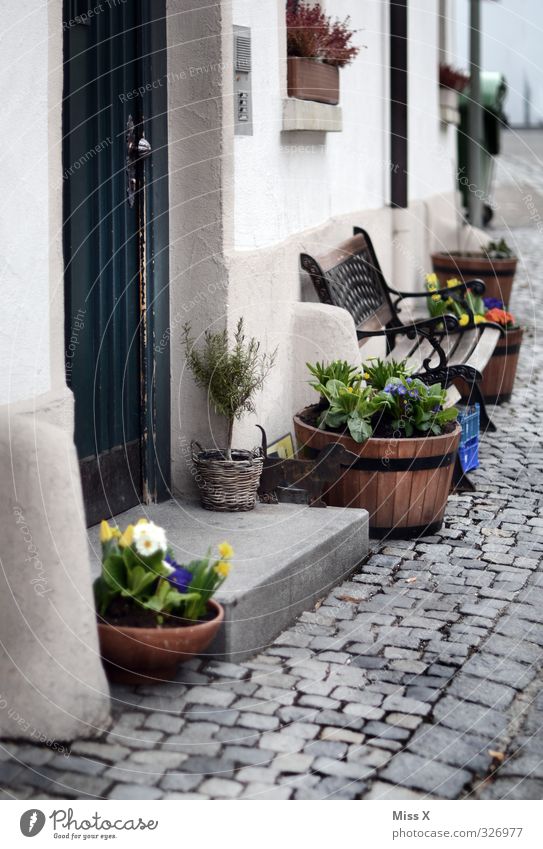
{"x": 109, "y": 237}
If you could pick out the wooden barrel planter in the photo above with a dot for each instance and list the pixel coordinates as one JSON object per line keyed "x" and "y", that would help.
{"x": 500, "y": 372}
{"x": 497, "y": 274}
{"x": 402, "y": 483}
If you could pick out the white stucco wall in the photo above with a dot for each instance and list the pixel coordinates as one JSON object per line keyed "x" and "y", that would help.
{"x": 290, "y": 182}
{"x": 24, "y": 202}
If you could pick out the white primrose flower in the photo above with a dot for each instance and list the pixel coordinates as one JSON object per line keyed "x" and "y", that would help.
{"x": 149, "y": 538}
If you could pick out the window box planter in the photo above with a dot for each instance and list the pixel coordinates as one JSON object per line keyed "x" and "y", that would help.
{"x": 312, "y": 79}
{"x": 402, "y": 483}
{"x": 497, "y": 274}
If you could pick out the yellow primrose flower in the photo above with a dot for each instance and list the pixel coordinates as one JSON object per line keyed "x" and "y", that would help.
{"x": 106, "y": 533}
{"x": 350, "y": 389}
{"x": 432, "y": 287}
{"x": 431, "y": 278}
{"x": 479, "y": 319}
{"x": 436, "y": 297}
{"x": 115, "y": 532}
{"x": 222, "y": 568}
{"x": 225, "y": 550}
{"x": 366, "y": 376}
{"x": 453, "y": 282}
{"x": 449, "y": 302}
{"x": 127, "y": 538}
{"x": 463, "y": 320}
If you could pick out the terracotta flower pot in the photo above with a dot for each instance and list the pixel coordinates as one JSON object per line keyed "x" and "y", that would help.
{"x": 141, "y": 655}
{"x": 309, "y": 79}
{"x": 497, "y": 274}
{"x": 402, "y": 483}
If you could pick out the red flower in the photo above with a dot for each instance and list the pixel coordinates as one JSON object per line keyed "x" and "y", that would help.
{"x": 499, "y": 316}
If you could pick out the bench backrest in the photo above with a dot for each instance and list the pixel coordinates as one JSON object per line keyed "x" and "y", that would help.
{"x": 350, "y": 277}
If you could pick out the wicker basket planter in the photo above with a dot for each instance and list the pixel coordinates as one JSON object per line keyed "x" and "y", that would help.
{"x": 227, "y": 485}
{"x": 310, "y": 79}
{"x": 497, "y": 274}
{"x": 402, "y": 483}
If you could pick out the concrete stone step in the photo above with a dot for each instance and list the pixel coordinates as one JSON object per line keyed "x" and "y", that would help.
{"x": 286, "y": 557}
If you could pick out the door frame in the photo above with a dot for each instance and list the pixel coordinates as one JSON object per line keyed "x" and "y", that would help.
{"x": 154, "y": 256}
{"x": 155, "y": 335}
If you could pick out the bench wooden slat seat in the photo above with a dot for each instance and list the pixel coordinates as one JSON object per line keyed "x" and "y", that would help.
{"x": 438, "y": 349}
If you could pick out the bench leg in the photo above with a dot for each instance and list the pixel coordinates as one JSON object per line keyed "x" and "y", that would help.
{"x": 485, "y": 422}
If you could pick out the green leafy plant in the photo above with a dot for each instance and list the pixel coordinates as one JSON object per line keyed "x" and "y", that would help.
{"x": 350, "y": 407}
{"x": 404, "y": 403}
{"x": 467, "y": 306}
{"x": 138, "y": 565}
{"x": 499, "y": 250}
{"x": 378, "y": 372}
{"x": 231, "y": 376}
{"x": 414, "y": 406}
{"x": 337, "y": 370}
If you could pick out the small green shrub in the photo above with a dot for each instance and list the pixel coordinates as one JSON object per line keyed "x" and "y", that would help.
{"x": 231, "y": 376}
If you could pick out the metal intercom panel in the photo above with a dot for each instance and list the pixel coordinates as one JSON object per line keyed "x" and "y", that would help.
{"x": 243, "y": 106}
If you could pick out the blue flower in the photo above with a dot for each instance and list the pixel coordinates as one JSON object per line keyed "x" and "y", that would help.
{"x": 493, "y": 304}
{"x": 401, "y": 390}
{"x": 180, "y": 578}
{"x": 414, "y": 393}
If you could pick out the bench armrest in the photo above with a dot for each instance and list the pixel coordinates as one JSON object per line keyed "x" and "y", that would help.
{"x": 477, "y": 287}
{"x": 425, "y": 327}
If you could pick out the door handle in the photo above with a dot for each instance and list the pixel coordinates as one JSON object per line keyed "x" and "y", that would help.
{"x": 140, "y": 149}
{"x": 136, "y": 151}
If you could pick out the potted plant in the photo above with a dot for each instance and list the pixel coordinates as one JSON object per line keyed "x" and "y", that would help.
{"x": 495, "y": 265}
{"x": 500, "y": 372}
{"x": 228, "y": 479}
{"x": 405, "y": 438}
{"x": 153, "y": 612}
{"x": 317, "y": 47}
{"x": 451, "y": 83}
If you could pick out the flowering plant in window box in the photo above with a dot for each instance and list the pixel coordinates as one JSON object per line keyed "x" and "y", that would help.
{"x": 152, "y": 611}
{"x": 317, "y": 47}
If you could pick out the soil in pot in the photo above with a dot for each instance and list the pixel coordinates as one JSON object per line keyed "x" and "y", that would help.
{"x": 403, "y": 483}
{"x": 497, "y": 274}
{"x": 144, "y": 652}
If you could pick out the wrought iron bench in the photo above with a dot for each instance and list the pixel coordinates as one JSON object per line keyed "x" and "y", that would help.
{"x": 438, "y": 349}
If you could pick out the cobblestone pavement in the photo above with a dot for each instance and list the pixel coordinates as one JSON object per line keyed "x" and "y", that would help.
{"x": 420, "y": 676}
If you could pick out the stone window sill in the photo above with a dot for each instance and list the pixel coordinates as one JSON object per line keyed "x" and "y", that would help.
{"x": 311, "y": 116}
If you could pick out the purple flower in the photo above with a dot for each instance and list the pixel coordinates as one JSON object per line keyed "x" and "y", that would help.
{"x": 493, "y": 304}
{"x": 414, "y": 393}
{"x": 401, "y": 390}
{"x": 180, "y": 578}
